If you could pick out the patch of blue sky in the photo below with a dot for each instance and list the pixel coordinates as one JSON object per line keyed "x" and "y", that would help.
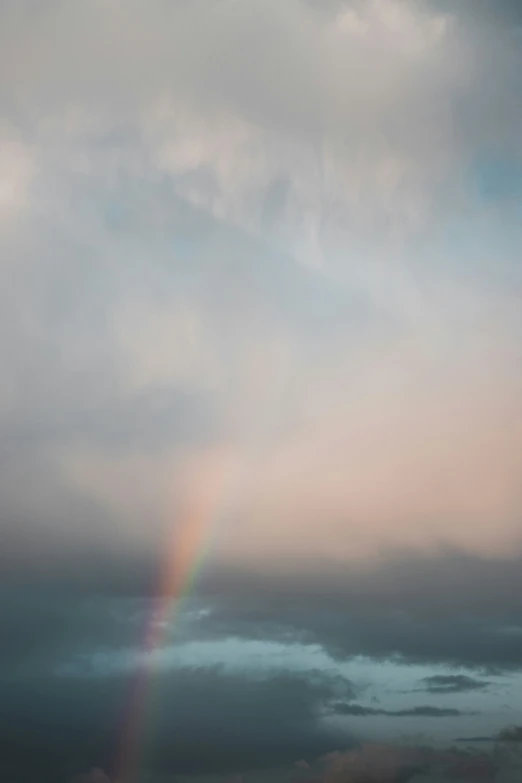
{"x": 479, "y": 238}
{"x": 386, "y": 684}
{"x": 496, "y": 177}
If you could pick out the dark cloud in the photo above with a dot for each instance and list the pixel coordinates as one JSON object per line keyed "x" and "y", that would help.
{"x": 46, "y": 628}
{"x": 388, "y": 763}
{"x": 71, "y": 723}
{"x": 357, "y": 710}
{"x": 512, "y": 734}
{"x": 450, "y": 609}
{"x": 96, "y": 775}
{"x": 453, "y": 683}
{"x": 508, "y": 735}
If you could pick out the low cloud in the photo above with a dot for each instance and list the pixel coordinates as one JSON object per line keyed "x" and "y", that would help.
{"x": 242, "y": 720}
{"x": 453, "y": 683}
{"x": 449, "y": 609}
{"x": 358, "y": 710}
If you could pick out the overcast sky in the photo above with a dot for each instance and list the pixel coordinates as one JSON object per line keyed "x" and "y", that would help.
{"x": 261, "y": 340}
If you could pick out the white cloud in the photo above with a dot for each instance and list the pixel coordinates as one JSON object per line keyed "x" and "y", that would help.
{"x": 17, "y": 167}
{"x": 355, "y": 111}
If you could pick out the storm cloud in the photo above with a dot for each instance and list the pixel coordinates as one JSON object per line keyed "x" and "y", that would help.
{"x": 241, "y": 721}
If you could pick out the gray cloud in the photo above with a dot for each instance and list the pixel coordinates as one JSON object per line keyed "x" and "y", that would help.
{"x": 409, "y": 611}
{"x": 96, "y": 775}
{"x": 452, "y": 608}
{"x": 453, "y": 683}
{"x": 358, "y": 710}
{"x": 46, "y": 628}
{"x": 76, "y": 723}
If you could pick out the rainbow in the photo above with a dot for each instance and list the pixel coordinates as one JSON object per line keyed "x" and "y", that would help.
{"x": 207, "y": 495}
{"x": 210, "y": 488}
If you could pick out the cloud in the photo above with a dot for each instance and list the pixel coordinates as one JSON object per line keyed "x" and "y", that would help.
{"x": 379, "y": 762}
{"x": 94, "y": 776}
{"x": 508, "y": 735}
{"x": 412, "y": 611}
{"x": 453, "y": 683}
{"x": 353, "y": 108}
{"x": 513, "y": 734}
{"x": 447, "y": 608}
{"x": 224, "y": 252}
{"x": 242, "y": 721}
{"x": 358, "y": 710}
{"x": 18, "y": 166}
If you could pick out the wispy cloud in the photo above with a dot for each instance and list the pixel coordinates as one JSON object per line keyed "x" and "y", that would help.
{"x": 358, "y": 710}
{"x": 453, "y": 683}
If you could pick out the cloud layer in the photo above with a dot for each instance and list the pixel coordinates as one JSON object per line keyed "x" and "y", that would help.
{"x": 231, "y": 228}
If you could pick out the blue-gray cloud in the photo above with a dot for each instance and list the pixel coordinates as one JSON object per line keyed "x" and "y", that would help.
{"x": 357, "y": 710}
{"x": 453, "y": 683}
{"x": 242, "y": 721}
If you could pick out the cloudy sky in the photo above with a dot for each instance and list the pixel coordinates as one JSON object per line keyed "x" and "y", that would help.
{"x": 260, "y": 399}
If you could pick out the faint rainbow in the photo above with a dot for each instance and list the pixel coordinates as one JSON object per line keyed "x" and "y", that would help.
{"x": 210, "y": 491}
{"x": 207, "y": 500}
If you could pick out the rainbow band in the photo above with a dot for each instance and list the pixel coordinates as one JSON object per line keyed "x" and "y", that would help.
{"x": 210, "y": 488}
{"x": 208, "y": 491}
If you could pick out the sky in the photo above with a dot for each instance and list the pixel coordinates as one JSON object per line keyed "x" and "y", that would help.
{"x": 260, "y": 399}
